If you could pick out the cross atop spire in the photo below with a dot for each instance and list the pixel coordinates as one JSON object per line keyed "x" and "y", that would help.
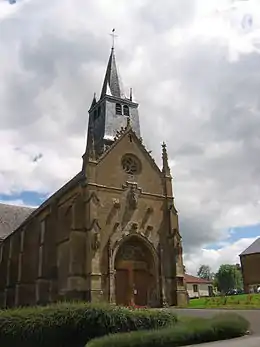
{"x": 113, "y": 35}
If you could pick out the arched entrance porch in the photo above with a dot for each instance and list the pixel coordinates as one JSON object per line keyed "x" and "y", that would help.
{"x": 135, "y": 273}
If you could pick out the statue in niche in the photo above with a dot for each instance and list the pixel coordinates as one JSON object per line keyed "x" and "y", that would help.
{"x": 132, "y": 198}
{"x": 95, "y": 243}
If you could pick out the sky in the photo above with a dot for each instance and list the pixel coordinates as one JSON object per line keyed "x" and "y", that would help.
{"x": 194, "y": 69}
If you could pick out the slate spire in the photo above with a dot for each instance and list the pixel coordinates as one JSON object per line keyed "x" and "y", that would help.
{"x": 112, "y": 84}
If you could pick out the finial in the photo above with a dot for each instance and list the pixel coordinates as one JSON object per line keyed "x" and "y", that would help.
{"x": 166, "y": 169}
{"x": 113, "y": 35}
{"x": 131, "y": 94}
{"x": 128, "y": 122}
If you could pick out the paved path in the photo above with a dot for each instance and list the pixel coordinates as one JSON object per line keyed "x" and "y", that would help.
{"x": 249, "y": 341}
{"x": 253, "y": 316}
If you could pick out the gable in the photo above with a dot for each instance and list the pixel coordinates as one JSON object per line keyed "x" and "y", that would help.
{"x": 110, "y": 171}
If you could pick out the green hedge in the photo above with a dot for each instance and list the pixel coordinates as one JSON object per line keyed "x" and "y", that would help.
{"x": 73, "y": 324}
{"x": 197, "y": 331}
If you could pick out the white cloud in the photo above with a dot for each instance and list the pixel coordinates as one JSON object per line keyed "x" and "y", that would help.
{"x": 194, "y": 70}
{"x": 228, "y": 254}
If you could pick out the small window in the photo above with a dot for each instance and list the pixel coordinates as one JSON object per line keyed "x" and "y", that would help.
{"x": 126, "y": 110}
{"x": 118, "y": 109}
{"x": 95, "y": 114}
{"x": 195, "y": 288}
{"x": 99, "y": 111}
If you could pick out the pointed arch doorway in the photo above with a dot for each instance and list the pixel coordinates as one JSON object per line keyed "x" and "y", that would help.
{"x": 135, "y": 273}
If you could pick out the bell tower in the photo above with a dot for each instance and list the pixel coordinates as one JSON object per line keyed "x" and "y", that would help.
{"x": 110, "y": 112}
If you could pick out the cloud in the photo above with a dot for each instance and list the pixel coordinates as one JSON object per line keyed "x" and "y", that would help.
{"x": 194, "y": 71}
{"x": 17, "y": 202}
{"x": 227, "y": 254}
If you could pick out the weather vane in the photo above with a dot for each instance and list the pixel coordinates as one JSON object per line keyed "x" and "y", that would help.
{"x": 113, "y": 35}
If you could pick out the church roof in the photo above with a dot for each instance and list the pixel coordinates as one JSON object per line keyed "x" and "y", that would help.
{"x": 112, "y": 84}
{"x": 11, "y": 217}
{"x": 253, "y": 248}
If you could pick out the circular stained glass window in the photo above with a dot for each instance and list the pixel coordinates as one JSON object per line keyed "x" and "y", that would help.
{"x": 131, "y": 164}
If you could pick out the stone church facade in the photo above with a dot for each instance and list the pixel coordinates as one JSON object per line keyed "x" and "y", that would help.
{"x": 110, "y": 234}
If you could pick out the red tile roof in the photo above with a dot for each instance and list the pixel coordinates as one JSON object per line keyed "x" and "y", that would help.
{"x": 195, "y": 280}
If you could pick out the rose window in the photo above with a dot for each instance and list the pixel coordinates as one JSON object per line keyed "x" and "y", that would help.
{"x": 131, "y": 164}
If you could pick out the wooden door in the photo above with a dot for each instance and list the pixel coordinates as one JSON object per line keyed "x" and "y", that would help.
{"x": 122, "y": 287}
{"x": 141, "y": 287}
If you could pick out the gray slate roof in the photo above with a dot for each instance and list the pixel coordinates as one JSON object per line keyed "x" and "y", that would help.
{"x": 11, "y": 217}
{"x": 112, "y": 82}
{"x": 254, "y": 248}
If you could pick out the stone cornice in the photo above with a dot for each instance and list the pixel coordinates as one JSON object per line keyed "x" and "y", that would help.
{"x": 120, "y": 190}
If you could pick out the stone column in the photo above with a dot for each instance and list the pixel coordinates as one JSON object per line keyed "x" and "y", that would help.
{"x": 42, "y": 283}
{"x": 19, "y": 275}
{"x": 112, "y": 287}
{"x": 94, "y": 242}
{"x": 8, "y": 270}
{"x": 77, "y": 282}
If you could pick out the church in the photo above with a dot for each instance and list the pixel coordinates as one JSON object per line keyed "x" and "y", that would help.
{"x": 111, "y": 233}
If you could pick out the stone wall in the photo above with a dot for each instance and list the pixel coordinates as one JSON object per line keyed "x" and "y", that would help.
{"x": 38, "y": 259}
{"x": 250, "y": 270}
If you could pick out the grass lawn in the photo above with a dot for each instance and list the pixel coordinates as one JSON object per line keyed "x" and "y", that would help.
{"x": 243, "y": 301}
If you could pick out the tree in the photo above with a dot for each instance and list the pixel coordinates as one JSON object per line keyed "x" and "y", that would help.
{"x": 205, "y": 272}
{"x": 228, "y": 277}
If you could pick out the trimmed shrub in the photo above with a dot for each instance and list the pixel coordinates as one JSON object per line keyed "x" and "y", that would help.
{"x": 73, "y": 324}
{"x": 197, "y": 331}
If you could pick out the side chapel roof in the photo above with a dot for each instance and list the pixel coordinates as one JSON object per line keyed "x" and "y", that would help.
{"x": 11, "y": 217}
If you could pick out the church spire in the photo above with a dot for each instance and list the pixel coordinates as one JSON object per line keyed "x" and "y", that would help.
{"x": 112, "y": 84}
{"x": 112, "y": 111}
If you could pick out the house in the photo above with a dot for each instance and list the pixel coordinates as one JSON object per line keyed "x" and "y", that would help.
{"x": 198, "y": 287}
{"x": 111, "y": 234}
{"x": 250, "y": 266}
